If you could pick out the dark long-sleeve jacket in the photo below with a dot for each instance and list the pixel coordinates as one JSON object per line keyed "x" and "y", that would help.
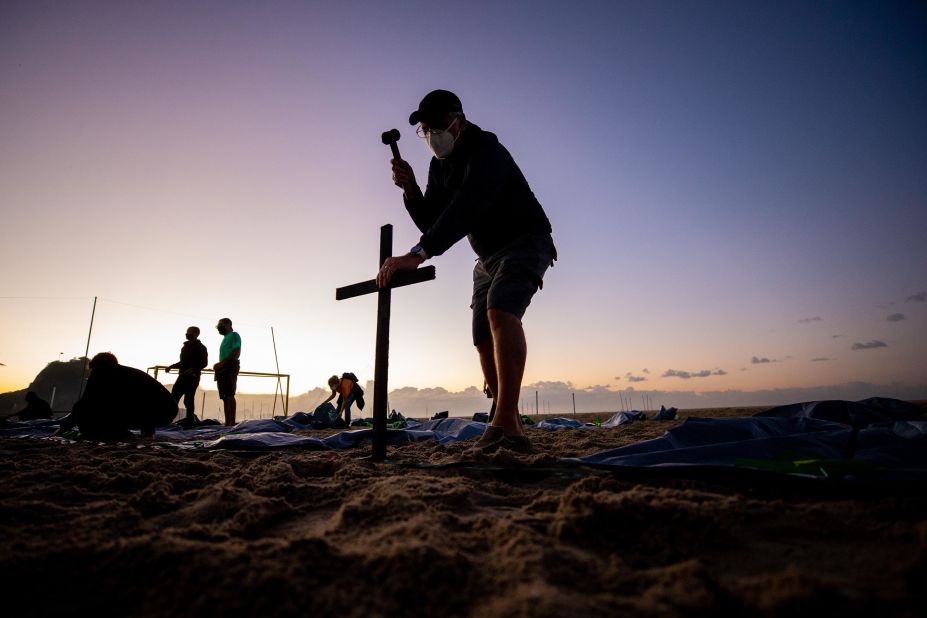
{"x": 478, "y": 192}
{"x": 193, "y": 355}
{"x": 118, "y": 398}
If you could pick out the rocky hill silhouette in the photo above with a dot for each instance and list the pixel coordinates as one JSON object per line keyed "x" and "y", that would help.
{"x": 59, "y": 377}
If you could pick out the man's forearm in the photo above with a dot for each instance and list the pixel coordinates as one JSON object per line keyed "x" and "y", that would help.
{"x": 423, "y": 213}
{"x": 412, "y": 192}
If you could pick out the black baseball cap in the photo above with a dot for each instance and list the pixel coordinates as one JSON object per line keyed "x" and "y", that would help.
{"x": 435, "y": 106}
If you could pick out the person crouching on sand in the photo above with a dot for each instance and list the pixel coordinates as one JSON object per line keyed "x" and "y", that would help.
{"x": 348, "y": 391}
{"x": 118, "y": 398}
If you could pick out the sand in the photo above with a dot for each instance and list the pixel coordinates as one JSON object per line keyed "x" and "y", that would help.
{"x": 147, "y": 530}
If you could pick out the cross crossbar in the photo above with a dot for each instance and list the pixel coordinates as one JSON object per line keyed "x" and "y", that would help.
{"x": 399, "y": 280}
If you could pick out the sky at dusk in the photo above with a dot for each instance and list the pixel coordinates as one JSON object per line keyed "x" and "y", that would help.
{"x": 738, "y": 190}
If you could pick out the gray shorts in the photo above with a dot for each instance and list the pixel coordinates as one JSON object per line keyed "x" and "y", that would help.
{"x": 508, "y": 279}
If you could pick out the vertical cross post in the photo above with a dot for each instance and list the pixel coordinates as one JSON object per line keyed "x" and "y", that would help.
{"x": 381, "y": 367}
{"x": 381, "y": 363}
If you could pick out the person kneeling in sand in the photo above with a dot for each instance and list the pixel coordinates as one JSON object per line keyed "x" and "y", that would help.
{"x": 119, "y": 398}
{"x": 36, "y": 408}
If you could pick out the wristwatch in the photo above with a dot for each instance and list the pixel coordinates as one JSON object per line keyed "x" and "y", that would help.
{"x": 419, "y": 251}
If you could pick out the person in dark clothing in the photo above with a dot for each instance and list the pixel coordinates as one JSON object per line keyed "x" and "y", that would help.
{"x": 119, "y": 398}
{"x": 476, "y": 190}
{"x": 36, "y": 408}
{"x": 193, "y": 359}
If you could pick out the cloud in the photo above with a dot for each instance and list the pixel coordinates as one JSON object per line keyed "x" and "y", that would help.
{"x": 820, "y": 359}
{"x": 685, "y": 375}
{"x": 895, "y": 317}
{"x": 419, "y": 403}
{"x": 645, "y": 370}
{"x": 836, "y": 336}
{"x": 816, "y": 318}
{"x": 598, "y": 388}
{"x": 719, "y": 372}
{"x": 870, "y": 345}
{"x": 636, "y": 379}
{"x": 618, "y": 378}
{"x": 920, "y": 297}
{"x": 759, "y": 361}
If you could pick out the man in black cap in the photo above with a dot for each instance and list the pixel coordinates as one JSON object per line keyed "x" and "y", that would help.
{"x": 476, "y": 190}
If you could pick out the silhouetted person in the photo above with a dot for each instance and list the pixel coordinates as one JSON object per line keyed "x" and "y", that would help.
{"x": 475, "y": 189}
{"x": 348, "y": 391}
{"x": 193, "y": 359}
{"x": 36, "y": 408}
{"x": 118, "y": 398}
{"x": 227, "y": 368}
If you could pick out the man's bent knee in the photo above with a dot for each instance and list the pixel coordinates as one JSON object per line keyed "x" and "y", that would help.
{"x": 500, "y": 317}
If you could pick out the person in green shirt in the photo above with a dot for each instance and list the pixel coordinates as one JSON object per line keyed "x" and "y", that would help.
{"x": 227, "y": 367}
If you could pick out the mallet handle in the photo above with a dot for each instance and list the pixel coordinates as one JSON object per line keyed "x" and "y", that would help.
{"x": 395, "y": 149}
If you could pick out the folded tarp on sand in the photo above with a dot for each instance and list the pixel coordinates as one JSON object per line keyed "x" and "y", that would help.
{"x": 266, "y": 435}
{"x": 37, "y": 428}
{"x": 882, "y": 432}
{"x": 619, "y": 418}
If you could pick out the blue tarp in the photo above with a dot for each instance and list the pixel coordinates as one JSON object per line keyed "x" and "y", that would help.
{"x": 38, "y": 428}
{"x": 453, "y": 429}
{"x": 441, "y": 431}
{"x": 560, "y": 423}
{"x": 620, "y": 418}
{"x": 878, "y": 431}
{"x": 881, "y": 432}
{"x": 721, "y": 441}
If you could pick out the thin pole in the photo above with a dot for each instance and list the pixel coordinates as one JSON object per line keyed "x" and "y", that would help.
{"x": 276, "y": 360}
{"x": 574, "y": 404}
{"x": 203, "y": 406}
{"x": 535, "y": 403}
{"x": 80, "y": 391}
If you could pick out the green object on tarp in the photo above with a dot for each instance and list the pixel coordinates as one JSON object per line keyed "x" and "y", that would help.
{"x": 796, "y": 463}
{"x": 526, "y": 420}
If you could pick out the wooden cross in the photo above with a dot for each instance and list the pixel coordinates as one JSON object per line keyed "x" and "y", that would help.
{"x": 381, "y": 362}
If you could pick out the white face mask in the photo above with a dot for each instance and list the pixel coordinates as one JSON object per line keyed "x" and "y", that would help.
{"x": 441, "y": 143}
